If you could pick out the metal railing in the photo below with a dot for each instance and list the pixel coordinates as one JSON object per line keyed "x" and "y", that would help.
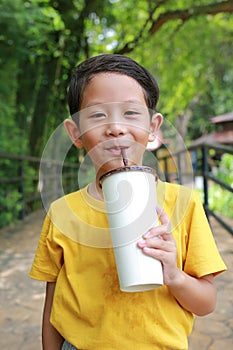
{"x": 27, "y": 183}
{"x": 175, "y": 172}
{"x": 23, "y": 178}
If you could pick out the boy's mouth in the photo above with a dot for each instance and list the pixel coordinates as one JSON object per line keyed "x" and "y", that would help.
{"x": 116, "y": 151}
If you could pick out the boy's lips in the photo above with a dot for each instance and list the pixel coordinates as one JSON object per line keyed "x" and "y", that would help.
{"x": 116, "y": 151}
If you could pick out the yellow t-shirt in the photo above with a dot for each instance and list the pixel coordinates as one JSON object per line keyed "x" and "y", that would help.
{"x": 89, "y": 310}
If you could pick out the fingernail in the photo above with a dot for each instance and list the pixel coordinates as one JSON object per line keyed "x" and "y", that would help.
{"x": 141, "y": 243}
{"x": 148, "y": 234}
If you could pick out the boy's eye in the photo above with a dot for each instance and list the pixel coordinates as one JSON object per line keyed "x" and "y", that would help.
{"x": 131, "y": 113}
{"x": 97, "y": 115}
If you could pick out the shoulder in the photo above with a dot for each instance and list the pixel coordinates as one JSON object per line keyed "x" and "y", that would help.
{"x": 174, "y": 193}
{"x": 181, "y": 203}
{"x": 69, "y": 199}
{"x": 65, "y": 208}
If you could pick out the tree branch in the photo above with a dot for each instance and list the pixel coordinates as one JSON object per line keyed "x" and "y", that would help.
{"x": 183, "y": 15}
{"x": 128, "y": 47}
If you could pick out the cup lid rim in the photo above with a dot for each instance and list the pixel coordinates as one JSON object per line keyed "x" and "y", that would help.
{"x": 140, "y": 168}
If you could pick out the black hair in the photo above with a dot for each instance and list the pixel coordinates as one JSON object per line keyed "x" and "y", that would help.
{"x": 113, "y": 63}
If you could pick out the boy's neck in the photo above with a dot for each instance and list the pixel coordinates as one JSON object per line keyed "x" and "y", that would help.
{"x": 95, "y": 191}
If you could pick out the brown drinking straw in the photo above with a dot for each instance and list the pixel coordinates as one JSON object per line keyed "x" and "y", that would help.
{"x": 124, "y": 157}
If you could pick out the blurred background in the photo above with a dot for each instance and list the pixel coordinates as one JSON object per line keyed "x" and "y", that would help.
{"x": 185, "y": 44}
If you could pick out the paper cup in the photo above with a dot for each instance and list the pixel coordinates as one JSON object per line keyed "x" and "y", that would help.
{"x": 130, "y": 196}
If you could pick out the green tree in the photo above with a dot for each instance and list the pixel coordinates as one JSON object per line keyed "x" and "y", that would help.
{"x": 42, "y": 41}
{"x": 187, "y": 45}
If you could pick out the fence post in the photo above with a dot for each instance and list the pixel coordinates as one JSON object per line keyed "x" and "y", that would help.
{"x": 179, "y": 169}
{"x": 21, "y": 190}
{"x": 166, "y": 170}
{"x": 205, "y": 180}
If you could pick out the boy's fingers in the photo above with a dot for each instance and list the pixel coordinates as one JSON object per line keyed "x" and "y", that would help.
{"x": 165, "y": 221}
{"x": 162, "y": 215}
{"x": 163, "y": 230}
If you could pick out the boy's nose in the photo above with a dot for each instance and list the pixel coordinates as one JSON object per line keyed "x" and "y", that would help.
{"x": 116, "y": 129}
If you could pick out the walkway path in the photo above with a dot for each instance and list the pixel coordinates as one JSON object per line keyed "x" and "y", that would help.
{"x": 21, "y": 299}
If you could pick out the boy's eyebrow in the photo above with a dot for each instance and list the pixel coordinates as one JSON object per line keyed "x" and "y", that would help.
{"x": 94, "y": 103}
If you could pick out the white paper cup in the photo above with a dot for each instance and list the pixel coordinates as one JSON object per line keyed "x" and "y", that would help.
{"x": 130, "y": 196}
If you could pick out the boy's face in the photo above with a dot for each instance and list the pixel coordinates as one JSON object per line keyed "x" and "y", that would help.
{"x": 114, "y": 115}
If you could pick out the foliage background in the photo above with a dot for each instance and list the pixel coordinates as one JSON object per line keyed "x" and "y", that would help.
{"x": 186, "y": 44}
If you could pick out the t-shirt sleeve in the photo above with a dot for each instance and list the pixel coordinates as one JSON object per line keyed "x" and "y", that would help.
{"x": 202, "y": 257}
{"x": 48, "y": 259}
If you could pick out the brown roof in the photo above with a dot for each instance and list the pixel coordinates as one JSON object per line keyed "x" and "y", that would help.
{"x": 225, "y": 137}
{"x": 228, "y": 117}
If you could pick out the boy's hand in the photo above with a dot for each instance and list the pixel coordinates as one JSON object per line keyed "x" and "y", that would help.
{"x": 197, "y": 295}
{"x": 159, "y": 243}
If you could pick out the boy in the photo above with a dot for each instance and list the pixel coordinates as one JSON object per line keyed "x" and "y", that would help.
{"x": 111, "y": 98}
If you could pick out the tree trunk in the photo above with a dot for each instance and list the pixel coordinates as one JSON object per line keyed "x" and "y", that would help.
{"x": 40, "y": 112}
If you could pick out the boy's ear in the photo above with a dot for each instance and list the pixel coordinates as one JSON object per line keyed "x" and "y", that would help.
{"x": 73, "y": 132}
{"x": 156, "y": 122}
